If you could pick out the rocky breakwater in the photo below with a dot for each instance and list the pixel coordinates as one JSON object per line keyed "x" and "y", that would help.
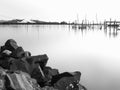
{"x": 21, "y": 71}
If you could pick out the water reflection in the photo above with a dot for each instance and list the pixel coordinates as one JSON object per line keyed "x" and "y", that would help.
{"x": 111, "y": 31}
{"x": 88, "y": 50}
{"x": 108, "y": 31}
{"x": 83, "y": 29}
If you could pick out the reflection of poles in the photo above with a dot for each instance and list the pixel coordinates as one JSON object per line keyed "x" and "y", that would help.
{"x": 115, "y": 23}
{"x": 105, "y": 24}
{"x": 105, "y": 27}
{"x": 38, "y": 32}
{"x": 109, "y": 32}
{"x": 69, "y": 25}
{"x": 27, "y": 27}
{"x": 105, "y": 31}
{"x": 82, "y": 22}
{"x": 115, "y": 33}
{"x": 100, "y": 26}
{"x": 93, "y": 25}
{"x": 110, "y": 22}
{"x": 82, "y": 32}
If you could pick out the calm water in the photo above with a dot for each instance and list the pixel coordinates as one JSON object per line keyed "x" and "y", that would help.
{"x": 94, "y": 52}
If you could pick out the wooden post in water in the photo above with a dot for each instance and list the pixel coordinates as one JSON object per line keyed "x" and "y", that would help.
{"x": 110, "y": 25}
{"x": 110, "y": 22}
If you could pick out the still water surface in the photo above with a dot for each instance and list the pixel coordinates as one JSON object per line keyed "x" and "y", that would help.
{"x": 94, "y": 52}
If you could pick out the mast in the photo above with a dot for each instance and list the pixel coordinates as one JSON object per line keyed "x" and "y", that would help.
{"x": 77, "y": 18}
{"x": 96, "y": 19}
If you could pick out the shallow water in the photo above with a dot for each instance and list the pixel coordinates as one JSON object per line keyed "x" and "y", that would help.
{"x": 94, "y": 52}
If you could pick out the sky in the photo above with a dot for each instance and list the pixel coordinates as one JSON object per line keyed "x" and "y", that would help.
{"x": 60, "y": 10}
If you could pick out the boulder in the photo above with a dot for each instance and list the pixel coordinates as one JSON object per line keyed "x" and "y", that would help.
{"x": 6, "y": 51}
{"x": 5, "y": 61}
{"x": 37, "y": 64}
{"x": 25, "y": 72}
{"x": 20, "y": 53}
{"x": 49, "y": 73}
{"x": 11, "y": 45}
{"x": 19, "y": 65}
{"x": 48, "y": 88}
{"x": 17, "y": 80}
{"x": 2, "y": 79}
{"x": 38, "y": 59}
{"x": 13, "y": 50}
{"x": 66, "y": 81}
{"x": 20, "y": 81}
{"x": 32, "y": 65}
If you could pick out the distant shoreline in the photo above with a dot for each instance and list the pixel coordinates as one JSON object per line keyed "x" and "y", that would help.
{"x": 33, "y": 24}
{"x": 47, "y": 24}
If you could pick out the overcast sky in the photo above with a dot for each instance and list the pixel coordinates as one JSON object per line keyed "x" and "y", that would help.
{"x": 59, "y": 10}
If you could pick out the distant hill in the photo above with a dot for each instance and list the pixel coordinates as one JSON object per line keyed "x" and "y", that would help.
{"x": 24, "y": 21}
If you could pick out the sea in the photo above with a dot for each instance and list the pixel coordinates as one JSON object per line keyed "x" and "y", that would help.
{"x": 94, "y": 51}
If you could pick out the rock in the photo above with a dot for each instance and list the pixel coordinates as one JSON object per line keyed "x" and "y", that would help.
{"x": 17, "y": 53}
{"x": 32, "y": 66}
{"x": 20, "y": 81}
{"x": 11, "y": 45}
{"x": 35, "y": 72}
{"x": 17, "y": 80}
{"x": 81, "y": 87}
{"x": 28, "y": 64}
{"x": 20, "y": 53}
{"x": 13, "y": 50}
{"x": 2, "y": 80}
{"x": 7, "y": 52}
{"x": 7, "y": 58}
{"x": 48, "y": 88}
{"x": 18, "y": 64}
{"x": 66, "y": 81}
{"x": 5, "y": 61}
{"x": 49, "y": 73}
{"x": 76, "y": 75}
{"x": 25, "y": 72}
{"x": 38, "y": 59}
{"x": 59, "y": 76}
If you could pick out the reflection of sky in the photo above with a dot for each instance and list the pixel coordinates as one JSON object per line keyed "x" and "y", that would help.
{"x": 92, "y": 53}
